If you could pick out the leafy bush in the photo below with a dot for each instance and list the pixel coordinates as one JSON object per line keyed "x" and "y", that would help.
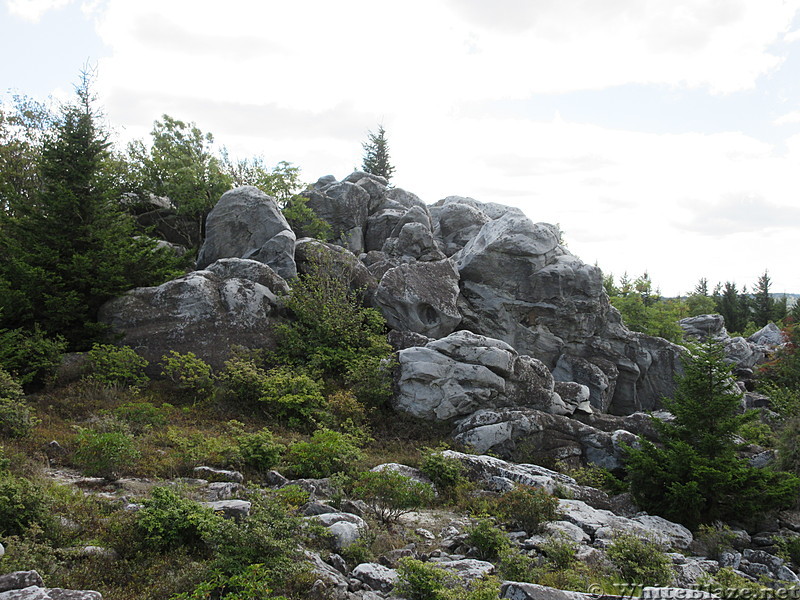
{"x": 757, "y": 432}
{"x": 188, "y": 372}
{"x": 168, "y": 521}
{"x": 259, "y": 450}
{"x": 444, "y": 471}
{"x": 728, "y": 584}
{"x": 343, "y": 408}
{"x": 488, "y": 539}
{"x": 326, "y": 453}
{"x": 528, "y": 508}
{"x": 117, "y": 366}
{"x": 715, "y": 538}
{"x": 22, "y": 504}
{"x": 789, "y": 548}
{"x": 17, "y": 419}
{"x": 141, "y": 416}
{"x": 784, "y": 401}
{"x": 105, "y": 454}
{"x": 640, "y": 561}
{"x": 370, "y": 377}
{"x": 561, "y": 552}
{"x": 291, "y": 395}
{"x": 243, "y": 379}
{"x": 31, "y": 356}
{"x": 389, "y": 494}
{"x": 418, "y": 580}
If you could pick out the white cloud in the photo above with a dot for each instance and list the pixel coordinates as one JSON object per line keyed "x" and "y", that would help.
{"x": 34, "y": 10}
{"x": 788, "y": 119}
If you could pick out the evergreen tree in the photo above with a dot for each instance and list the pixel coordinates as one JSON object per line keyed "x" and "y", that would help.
{"x": 696, "y": 476}
{"x": 69, "y": 247}
{"x": 376, "y": 155}
{"x": 699, "y": 302}
{"x": 763, "y": 304}
{"x": 732, "y": 306}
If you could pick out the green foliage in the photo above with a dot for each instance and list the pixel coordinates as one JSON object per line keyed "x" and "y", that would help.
{"x": 389, "y": 494}
{"x": 445, "y": 472}
{"x": 789, "y": 548}
{"x": 326, "y": 453}
{"x": 17, "y": 419}
{"x": 117, "y": 366}
{"x": 561, "y": 552}
{"x": 22, "y": 504}
{"x": 528, "y": 508}
{"x": 783, "y": 370}
{"x": 243, "y": 379}
{"x": 640, "y": 561}
{"x": 105, "y": 454}
{"x": 292, "y": 396}
{"x": 757, "y": 432}
{"x": 168, "y": 521}
{"x": 31, "y": 356}
{"x": 696, "y": 477}
{"x": 181, "y": 165}
{"x": 715, "y": 538}
{"x": 488, "y": 540}
{"x": 789, "y": 446}
{"x": 70, "y": 247}
{"x": 594, "y": 476}
{"x": 281, "y": 182}
{"x": 782, "y": 400}
{"x": 643, "y": 309}
{"x": 188, "y": 372}
{"x": 259, "y": 449}
{"x": 418, "y": 580}
{"x": 142, "y": 416}
{"x": 331, "y": 332}
{"x": 304, "y": 221}
{"x": 699, "y": 302}
{"x": 729, "y": 585}
{"x": 734, "y": 306}
{"x": 376, "y": 154}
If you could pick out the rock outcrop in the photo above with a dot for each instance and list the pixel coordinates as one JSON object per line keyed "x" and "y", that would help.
{"x": 246, "y": 223}
{"x": 232, "y": 302}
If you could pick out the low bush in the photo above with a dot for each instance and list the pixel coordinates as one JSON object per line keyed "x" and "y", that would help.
{"x": 22, "y": 504}
{"x": 561, "y": 552}
{"x": 488, "y": 540}
{"x": 143, "y": 416}
{"x": 117, "y": 366}
{"x": 789, "y": 548}
{"x": 106, "y": 454}
{"x": 168, "y": 521}
{"x": 326, "y": 453}
{"x": 389, "y": 494}
{"x": 729, "y": 585}
{"x": 189, "y": 373}
{"x": 292, "y": 396}
{"x": 640, "y": 560}
{"x": 445, "y": 472}
{"x": 528, "y": 508}
{"x": 31, "y": 356}
{"x": 17, "y": 419}
{"x": 417, "y": 580}
{"x": 715, "y": 538}
{"x": 259, "y": 450}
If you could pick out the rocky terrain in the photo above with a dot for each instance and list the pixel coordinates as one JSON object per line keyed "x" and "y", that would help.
{"x": 499, "y": 331}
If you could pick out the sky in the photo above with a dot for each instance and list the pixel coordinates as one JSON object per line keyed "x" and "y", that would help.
{"x": 661, "y": 135}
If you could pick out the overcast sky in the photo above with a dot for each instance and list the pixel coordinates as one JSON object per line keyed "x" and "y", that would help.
{"x": 662, "y": 135}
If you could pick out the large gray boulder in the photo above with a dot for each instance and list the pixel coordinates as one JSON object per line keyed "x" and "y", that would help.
{"x": 464, "y": 372}
{"x": 420, "y": 297}
{"x": 344, "y": 206}
{"x": 246, "y": 223}
{"x": 204, "y": 312}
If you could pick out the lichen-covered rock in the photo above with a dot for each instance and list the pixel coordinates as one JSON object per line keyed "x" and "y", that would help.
{"x": 204, "y": 312}
{"x": 246, "y": 223}
{"x": 376, "y": 576}
{"x": 420, "y": 297}
{"x": 464, "y": 372}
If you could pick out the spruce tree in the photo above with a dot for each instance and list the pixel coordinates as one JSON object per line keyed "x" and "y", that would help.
{"x": 376, "y": 155}
{"x": 695, "y": 476}
{"x": 70, "y": 247}
{"x": 763, "y": 304}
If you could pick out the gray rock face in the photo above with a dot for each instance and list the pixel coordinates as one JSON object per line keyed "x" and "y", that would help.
{"x": 514, "y": 432}
{"x": 464, "y": 372}
{"x": 769, "y": 335}
{"x": 230, "y": 509}
{"x": 201, "y": 312}
{"x": 246, "y": 223}
{"x": 512, "y": 590}
{"x": 344, "y": 205}
{"x": 376, "y": 576}
{"x": 420, "y": 297}
{"x": 703, "y": 327}
{"x": 20, "y": 579}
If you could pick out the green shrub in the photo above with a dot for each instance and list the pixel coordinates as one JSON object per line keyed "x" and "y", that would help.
{"x": 243, "y": 379}
{"x": 729, "y": 585}
{"x": 17, "y": 419}
{"x": 9, "y": 386}
{"x": 259, "y": 450}
{"x": 30, "y": 355}
{"x": 756, "y": 432}
{"x": 292, "y": 496}
{"x": 117, "y": 366}
{"x": 389, "y": 494}
{"x": 715, "y": 538}
{"x": 528, "y": 508}
{"x": 188, "y": 372}
{"x": 292, "y": 396}
{"x": 488, "y": 540}
{"x": 445, "y": 472}
{"x": 789, "y": 446}
{"x": 105, "y": 454}
{"x": 783, "y": 400}
{"x": 22, "y": 503}
{"x": 168, "y": 521}
{"x": 418, "y": 580}
{"x": 789, "y": 548}
{"x": 326, "y": 453}
{"x": 370, "y": 377}
{"x": 561, "y": 552}
{"x": 358, "y": 552}
{"x": 639, "y": 560}
{"x": 143, "y": 416}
